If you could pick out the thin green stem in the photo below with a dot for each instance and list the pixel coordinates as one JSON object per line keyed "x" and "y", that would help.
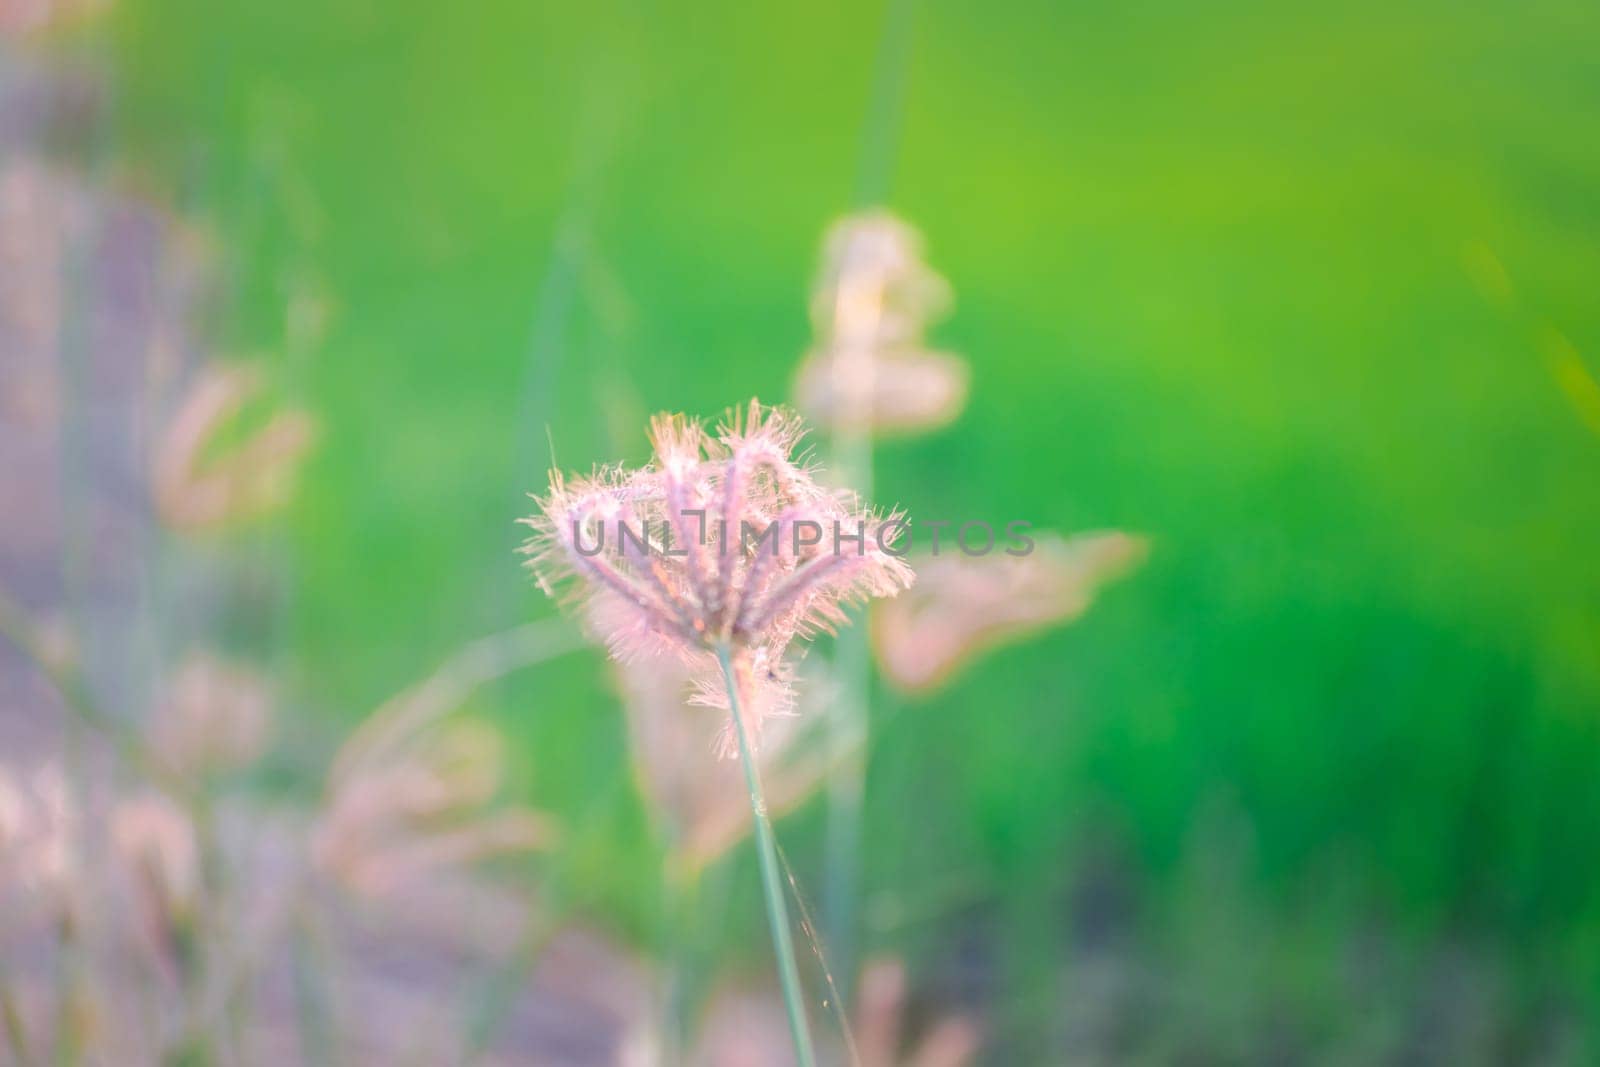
{"x": 852, "y": 458}
{"x": 767, "y": 850}
{"x": 681, "y": 888}
{"x": 71, "y": 1012}
{"x": 881, "y": 131}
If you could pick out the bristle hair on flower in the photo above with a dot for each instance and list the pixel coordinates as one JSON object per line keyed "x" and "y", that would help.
{"x": 724, "y": 540}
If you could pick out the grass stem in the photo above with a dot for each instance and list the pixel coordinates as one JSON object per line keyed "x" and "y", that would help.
{"x": 766, "y": 848}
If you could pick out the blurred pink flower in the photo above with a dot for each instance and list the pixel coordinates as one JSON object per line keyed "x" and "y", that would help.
{"x": 39, "y": 855}
{"x": 874, "y": 287}
{"x": 198, "y": 487}
{"x": 964, "y": 606}
{"x": 423, "y": 810}
{"x": 873, "y": 301}
{"x": 215, "y": 716}
{"x": 903, "y": 392}
{"x": 25, "y": 16}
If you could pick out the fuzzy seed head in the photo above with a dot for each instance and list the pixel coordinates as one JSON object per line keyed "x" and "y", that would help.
{"x": 724, "y": 538}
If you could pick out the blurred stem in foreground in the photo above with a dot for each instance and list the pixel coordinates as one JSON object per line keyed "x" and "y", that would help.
{"x": 847, "y": 728}
{"x": 58, "y": 670}
{"x": 766, "y": 849}
{"x": 11, "y": 1019}
{"x": 852, "y": 459}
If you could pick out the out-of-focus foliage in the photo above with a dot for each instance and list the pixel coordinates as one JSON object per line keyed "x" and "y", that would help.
{"x": 1306, "y": 294}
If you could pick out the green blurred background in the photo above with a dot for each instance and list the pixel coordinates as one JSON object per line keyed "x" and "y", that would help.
{"x": 1305, "y": 293}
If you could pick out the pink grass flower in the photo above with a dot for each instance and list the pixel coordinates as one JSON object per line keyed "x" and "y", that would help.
{"x": 724, "y": 539}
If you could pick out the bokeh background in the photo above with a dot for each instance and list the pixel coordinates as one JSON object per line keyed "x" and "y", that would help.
{"x": 1305, "y": 294}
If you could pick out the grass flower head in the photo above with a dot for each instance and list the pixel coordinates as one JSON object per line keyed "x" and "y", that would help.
{"x": 725, "y": 540}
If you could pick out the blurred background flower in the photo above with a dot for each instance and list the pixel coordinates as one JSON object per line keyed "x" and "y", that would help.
{"x": 965, "y": 605}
